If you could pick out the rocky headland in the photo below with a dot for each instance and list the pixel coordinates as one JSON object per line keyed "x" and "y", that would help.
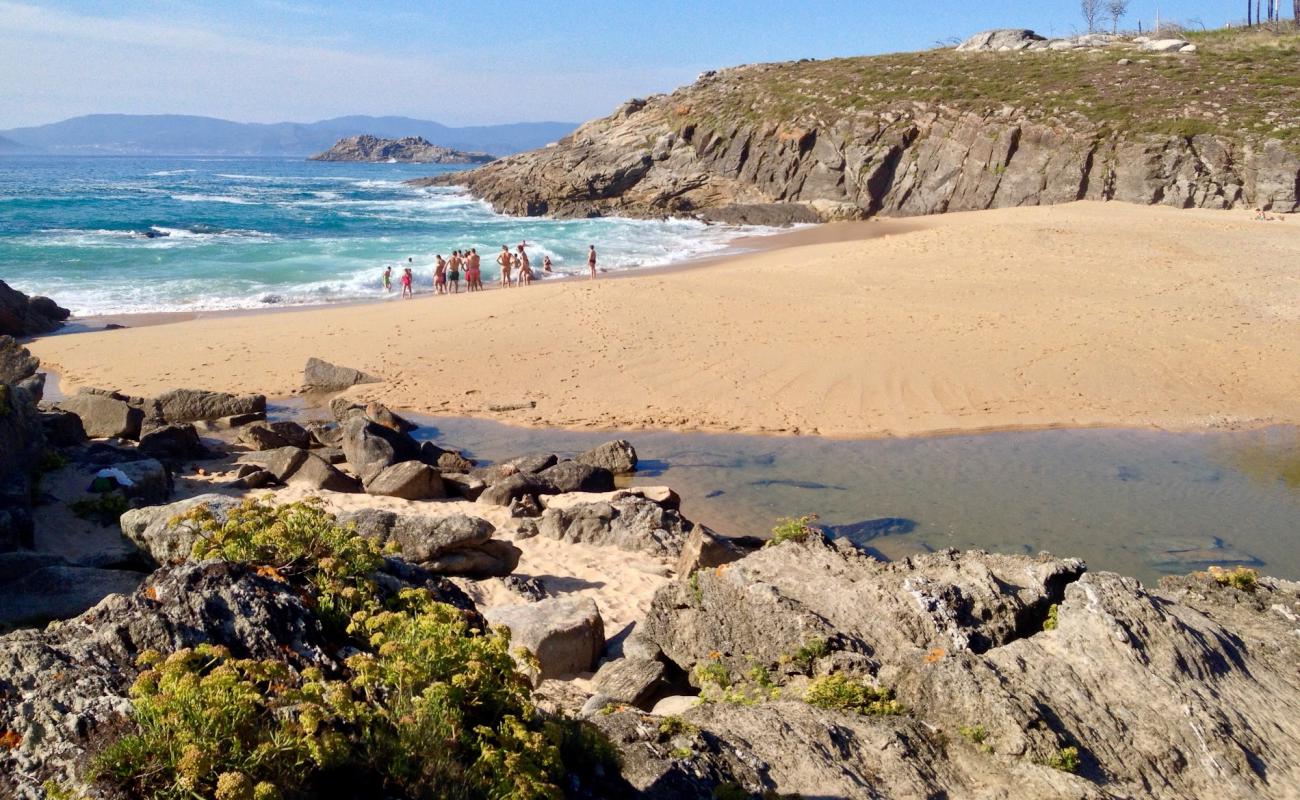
{"x": 408, "y": 149}
{"x": 1007, "y": 119}
{"x": 185, "y": 549}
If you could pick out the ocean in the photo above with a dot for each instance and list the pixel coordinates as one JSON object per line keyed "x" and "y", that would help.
{"x": 111, "y": 235}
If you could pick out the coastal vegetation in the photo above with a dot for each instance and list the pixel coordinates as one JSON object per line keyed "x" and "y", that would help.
{"x": 425, "y": 701}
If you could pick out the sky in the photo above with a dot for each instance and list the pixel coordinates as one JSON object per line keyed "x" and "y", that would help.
{"x": 464, "y": 62}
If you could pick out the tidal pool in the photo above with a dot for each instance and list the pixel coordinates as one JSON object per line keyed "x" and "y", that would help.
{"x": 1141, "y": 503}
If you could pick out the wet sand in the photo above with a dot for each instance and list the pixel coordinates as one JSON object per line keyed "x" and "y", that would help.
{"x": 1077, "y": 315}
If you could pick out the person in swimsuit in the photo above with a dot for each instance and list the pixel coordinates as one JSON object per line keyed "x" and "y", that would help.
{"x": 406, "y": 283}
{"x": 476, "y": 273}
{"x": 591, "y": 259}
{"x": 546, "y": 263}
{"x": 505, "y": 262}
{"x": 454, "y": 274}
{"x": 388, "y": 279}
{"x": 525, "y": 270}
{"x": 440, "y": 275}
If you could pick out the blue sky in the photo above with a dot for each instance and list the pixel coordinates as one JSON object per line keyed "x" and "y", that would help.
{"x": 459, "y": 62}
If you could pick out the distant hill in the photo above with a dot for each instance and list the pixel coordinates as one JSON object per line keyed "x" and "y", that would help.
{"x": 9, "y": 146}
{"x": 173, "y": 134}
{"x": 409, "y": 149}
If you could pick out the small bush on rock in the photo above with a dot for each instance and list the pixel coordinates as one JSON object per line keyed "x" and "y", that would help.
{"x": 105, "y": 509}
{"x": 1243, "y": 579}
{"x": 1050, "y": 623}
{"x": 792, "y": 530}
{"x": 1066, "y": 759}
{"x": 841, "y": 693}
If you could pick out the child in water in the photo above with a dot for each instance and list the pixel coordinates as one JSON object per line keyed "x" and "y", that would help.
{"x": 406, "y": 283}
{"x": 388, "y": 279}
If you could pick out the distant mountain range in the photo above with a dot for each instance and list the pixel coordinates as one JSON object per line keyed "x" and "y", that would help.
{"x": 174, "y": 134}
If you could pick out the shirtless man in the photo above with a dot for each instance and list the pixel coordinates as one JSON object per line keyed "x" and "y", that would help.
{"x": 476, "y": 283}
{"x": 524, "y": 267}
{"x": 591, "y": 259}
{"x": 440, "y": 275}
{"x": 505, "y": 262}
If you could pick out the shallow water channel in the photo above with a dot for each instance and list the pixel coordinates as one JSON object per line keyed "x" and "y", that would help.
{"x": 1142, "y": 503}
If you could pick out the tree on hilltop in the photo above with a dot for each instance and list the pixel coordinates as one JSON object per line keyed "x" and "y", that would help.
{"x": 1091, "y": 10}
{"x": 1117, "y": 9}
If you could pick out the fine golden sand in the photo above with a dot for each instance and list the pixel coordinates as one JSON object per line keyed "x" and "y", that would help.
{"x": 1074, "y": 315}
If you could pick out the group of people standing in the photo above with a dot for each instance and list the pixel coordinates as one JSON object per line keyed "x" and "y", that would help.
{"x": 516, "y": 270}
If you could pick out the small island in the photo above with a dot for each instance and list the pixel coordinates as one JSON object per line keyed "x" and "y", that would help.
{"x": 409, "y": 149}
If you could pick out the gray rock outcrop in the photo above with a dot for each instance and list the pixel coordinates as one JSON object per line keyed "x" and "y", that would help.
{"x": 409, "y": 480}
{"x": 633, "y": 681}
{"x": 16, "y": 363}
{"x": 105, "y": 415}
{"x": 618, "y": 456}
{"x": 196, "y": 405}
{"x": 166, "y": 539}
{"x": 574, "y": 476}
{"x": 1000, "y": 39}
{"x": 58, "y": 591}
{"x": 1011, "y": 660}
{"x": 738, "y": 140}
{"x": 414, "y": 149}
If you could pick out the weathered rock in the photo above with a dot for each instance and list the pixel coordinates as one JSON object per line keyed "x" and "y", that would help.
{"x": 16, "y": 363}
{"x": 58, "y": 591}
{"x": 66, "y": 687}
{"x": 331, "y": 455}
{"x": 572, "y": 476}
{"x": 21, "y": 315}
{"x": 1000, "y": 39}
{"x": 444, "y": 460}
{"x": 34, "y": 385}
{"x": 629, "y": 680}
{"x": 704, "y": 549}
{"x": 565, "y": 634}
{"x": 62, "y": 428}
{"x": 326, "y": 434}
{"x": 173, "y": 442}
{"x": 420, "y": 538}
{"x": 492, "y": 559}
{"x": 259, "y": 436}
{"x": 150, "y": 480}
{"x": 505, "y": 491}
{"x": 157, "y": 531}
{"x": 193, "y": 405}
{"x": 618, "y": 456}
{"x": 322, "y": 376}
{"x": 255, "y": 478}
{"x": 371, "y": 448}
{"x": 462, "y": 485}
{"x": 104, "y": 416}
{"x": 317, "y": 474}
{"x": 381, "y": 414}
{"x": 280, "y": 462}
{"x": 1022, "y": 647}
{"x": 629, "y": 522}
{"x": 1164, "y": 45}
{"x": 409, "y": 480}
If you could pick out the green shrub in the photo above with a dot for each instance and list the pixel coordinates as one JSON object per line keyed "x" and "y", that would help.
{"x": 975, "y": 733}
{"x": 1050, "y": 623}
{"x": 674, "y": 725}
{"x": 105, "y": 509}
{"x": 792, "y": 530}
{"x": 841, "y": 693}
{"x": 1066, "y": 759}
{"x": 1243, "y": 579}
{"x": 425, "y": 707}
{"x": 713, "y": 672}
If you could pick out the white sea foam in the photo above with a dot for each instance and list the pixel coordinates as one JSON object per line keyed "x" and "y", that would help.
{"x": 164, "y": 172}
{"x": 212, "y": 198}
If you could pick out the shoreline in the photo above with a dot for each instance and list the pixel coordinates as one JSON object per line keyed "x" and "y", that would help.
{"x": 1077, "y": 316}
{"x": 743, "y": 244}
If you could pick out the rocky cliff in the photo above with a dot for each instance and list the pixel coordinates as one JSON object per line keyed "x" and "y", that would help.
{"x": 414, "y": 149}
{"x": 921, "y": 133}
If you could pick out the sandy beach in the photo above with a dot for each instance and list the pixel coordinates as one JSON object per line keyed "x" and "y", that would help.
{"x": 1084, "y": 314}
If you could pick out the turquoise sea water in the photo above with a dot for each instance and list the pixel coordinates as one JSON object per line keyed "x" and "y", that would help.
{"x": 253, "y": 232}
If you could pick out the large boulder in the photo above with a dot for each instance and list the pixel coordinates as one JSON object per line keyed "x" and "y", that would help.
{"x": 147, "y": 479}
{"x": 1000, "y": 39}
{"x": 21, "y": 315}
{"x": 62, "y": 428}
{"x": 457, "y": 545}
{"x": 173, "y": 442}
{"x": 1027, "y": 657}
{"x": 573, "y": 476}
{"x": 627, "y": 521}
{"x": 565, "y": 635}
{"x": 157, "y": 531}
{"x": 318, "y": 474}
{"x": 66, "y": 687}
{"x": 370, "y": 448}
{"x": 629, "y": 680}
{"x": 518, "y": 486}
{"x": 105, "y": 415}
{"x": 16, "y": 363}
{"x": 409, "y": 480}
{"x": 58, "y": 591}
{"x": 280, "y": 462}
{"x": 444, "y": 460}
{"x": 322, "y": 376}
{"x": 618, "y": 456}
{"x": 193, "y": 405}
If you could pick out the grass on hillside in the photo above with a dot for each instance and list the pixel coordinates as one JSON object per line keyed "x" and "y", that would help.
{"x": 1243, "y": 83}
